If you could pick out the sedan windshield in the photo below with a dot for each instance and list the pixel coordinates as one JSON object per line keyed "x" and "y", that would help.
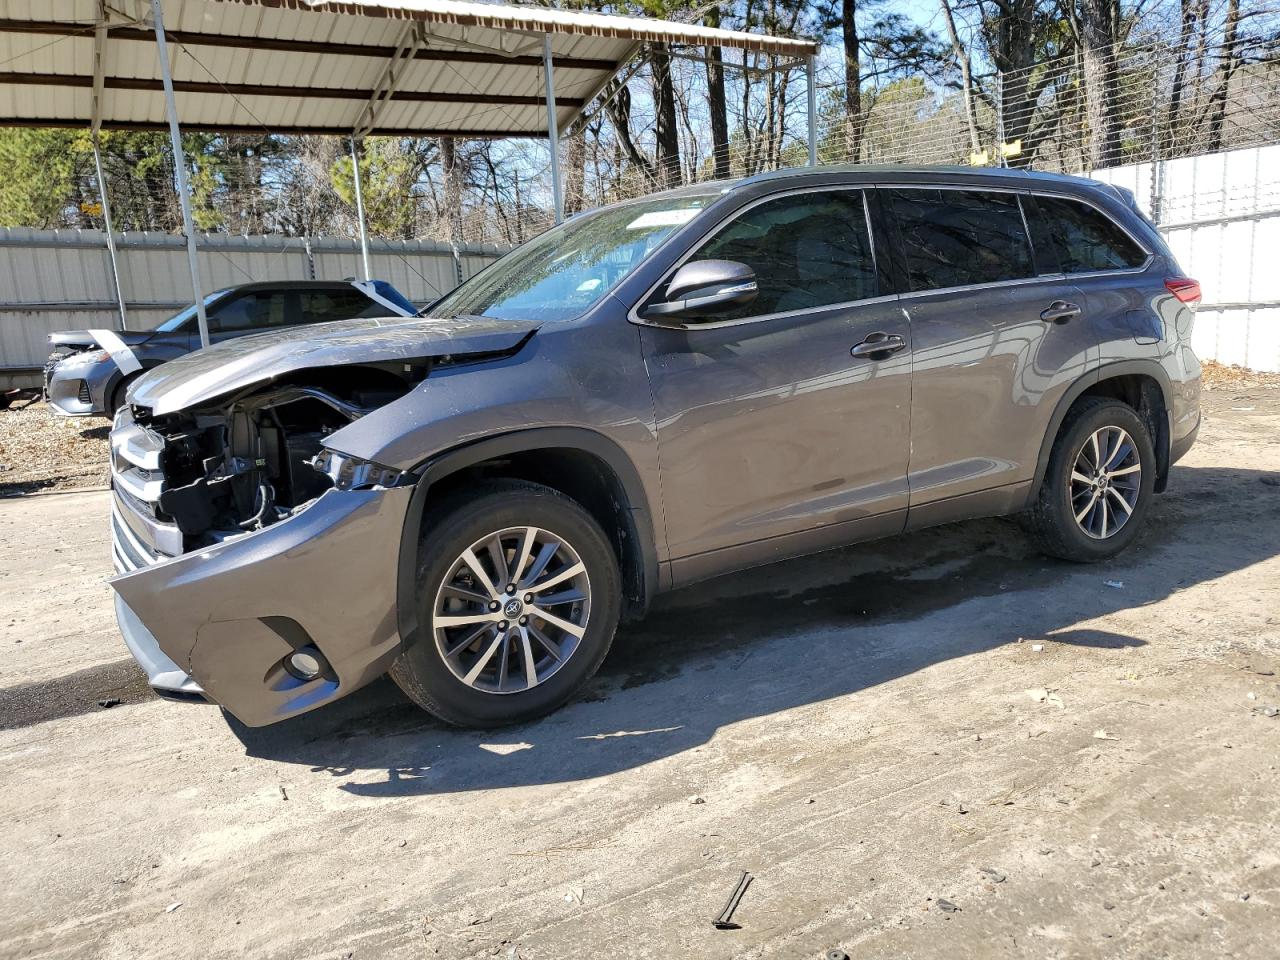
{"x": 175, "y": 323}
{"x": 566, "y": 271}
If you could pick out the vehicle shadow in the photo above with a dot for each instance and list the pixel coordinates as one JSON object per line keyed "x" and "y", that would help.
{"x": 768, "y": 640}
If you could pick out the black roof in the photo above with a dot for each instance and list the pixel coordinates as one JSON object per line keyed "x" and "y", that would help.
{"x": 290, "y": 285}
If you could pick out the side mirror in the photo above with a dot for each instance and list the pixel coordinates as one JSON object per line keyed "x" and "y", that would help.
{"x": 703, "y": 288}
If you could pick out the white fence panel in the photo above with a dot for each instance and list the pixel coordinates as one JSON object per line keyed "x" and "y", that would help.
{"x": 61, "y": 279}
{"x": 1220, "y": 214}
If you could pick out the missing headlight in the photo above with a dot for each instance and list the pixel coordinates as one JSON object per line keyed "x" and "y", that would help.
{"x": 351, "y": 473}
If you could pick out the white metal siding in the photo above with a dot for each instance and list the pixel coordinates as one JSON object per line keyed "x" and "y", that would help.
{"x": 1220, "y": 214}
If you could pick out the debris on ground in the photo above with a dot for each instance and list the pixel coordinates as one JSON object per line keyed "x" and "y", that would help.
{"x": 1267, "y": 711}
{"x": 1114, "y": 584}
{"x": 946, "y": 906}
{"x": 1037, "y": 647}
{"x": 837, "y": 955}
{"x": 42, "y": 451}
{"x": 575, "y": 894}
{"x": 173, "y": 906}
{"x": 1222, "y": 376}
{"x": 1103, "y": 735}
{"x": 109, "y": 702}
{"x": 724, "y": 919}
{"x": 995, "y": 876}
{"x": 696, "y": 799}
{"x": 283, "y": 794}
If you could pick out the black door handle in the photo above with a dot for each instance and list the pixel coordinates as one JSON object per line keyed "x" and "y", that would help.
{"x": 879, "y": 346}
{"x": 1060, "y": 312}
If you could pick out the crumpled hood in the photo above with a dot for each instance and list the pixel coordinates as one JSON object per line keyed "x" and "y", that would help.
{"x": 88, "y": 338}
{"x": 204, "y": 375}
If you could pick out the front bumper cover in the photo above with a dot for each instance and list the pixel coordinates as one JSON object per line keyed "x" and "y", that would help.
{"x": 66, "y": 384}
{"x": 225, "y": 617}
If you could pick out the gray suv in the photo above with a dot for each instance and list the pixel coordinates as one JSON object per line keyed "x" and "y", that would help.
{"x": 651, "y": 394}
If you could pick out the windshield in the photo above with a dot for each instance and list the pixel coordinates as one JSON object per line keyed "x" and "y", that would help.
{"x": 566, "y": 271}
{"x": 174, "y": 323}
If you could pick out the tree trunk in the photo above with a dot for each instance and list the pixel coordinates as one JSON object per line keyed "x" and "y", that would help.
{"x": 1189, "y": 8}
{"x": 452, "y": 200}
{"x": 1230, "y": 61}
{"x": 575, "y": 170}
{"x": 1099, "y": 26}
{"x": 716, "y": 102}
{"x": 666, "y": 136}
{"x": 966, "y": 75}
{"x": 852, "y": 80}
{"x": 618, "y": 99}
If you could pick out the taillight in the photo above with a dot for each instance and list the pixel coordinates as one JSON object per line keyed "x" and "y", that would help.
{"x": 1184, "y": 288}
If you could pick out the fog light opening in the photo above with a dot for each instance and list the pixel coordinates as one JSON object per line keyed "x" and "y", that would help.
{"x": 306, "y": 663}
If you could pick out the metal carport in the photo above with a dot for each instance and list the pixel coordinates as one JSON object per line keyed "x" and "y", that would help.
{"x": 353, "y": 68}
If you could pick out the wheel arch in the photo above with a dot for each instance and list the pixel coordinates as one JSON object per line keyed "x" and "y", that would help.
{"x": 1143, "y": 384}
{"x": 580, "y": 463}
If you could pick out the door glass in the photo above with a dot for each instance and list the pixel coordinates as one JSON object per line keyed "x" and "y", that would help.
{"x": 250, "y": 312}
{"x": 807, "y": 250}
{"x": 321, "y": 306}
{"x": 955, "y": 238}
{"x": 1084, "y": 239}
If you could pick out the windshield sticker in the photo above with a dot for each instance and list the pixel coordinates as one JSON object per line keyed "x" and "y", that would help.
{"x": 662, "y": 218}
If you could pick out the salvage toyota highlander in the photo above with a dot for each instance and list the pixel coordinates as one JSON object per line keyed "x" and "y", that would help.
{"x": 651, "y": 394}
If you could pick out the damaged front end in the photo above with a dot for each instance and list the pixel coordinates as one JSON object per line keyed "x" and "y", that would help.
{"x": 224, "y": 593}
{"x": 257, "y": 565}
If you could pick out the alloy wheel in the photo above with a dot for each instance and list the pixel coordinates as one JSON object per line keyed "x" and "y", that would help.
{"x": 512, "y": 610}
{"x": 1106, "y": 480}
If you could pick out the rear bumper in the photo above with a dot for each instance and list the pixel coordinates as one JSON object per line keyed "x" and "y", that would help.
{"x": 1178, "y": 449}
{"x": 218, "y": 622}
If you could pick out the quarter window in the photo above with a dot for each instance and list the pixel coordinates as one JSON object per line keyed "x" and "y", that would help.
{"x": 955, "y": 238}
{"x": 1084, "y": 239}
{"x": 808, "y": 250}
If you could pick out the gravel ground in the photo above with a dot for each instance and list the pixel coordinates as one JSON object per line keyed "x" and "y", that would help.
{"x": 42, "y": 451}
{"x": 1079, "y": 760}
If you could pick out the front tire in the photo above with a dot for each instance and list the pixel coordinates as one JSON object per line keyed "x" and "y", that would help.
{"x": 1098, "y": 485}
{"x": 518, "y": 599}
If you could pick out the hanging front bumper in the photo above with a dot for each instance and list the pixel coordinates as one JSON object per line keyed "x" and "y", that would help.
{"x": 220, "y": 621}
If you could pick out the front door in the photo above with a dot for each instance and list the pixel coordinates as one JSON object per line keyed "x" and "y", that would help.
{"x": 781, "y": 428}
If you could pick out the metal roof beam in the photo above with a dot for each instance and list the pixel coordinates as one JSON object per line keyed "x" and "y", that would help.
{"x": 266, "y": 90}
{"x": 286, "y": 129}
{"x": 321, "y": 48}
{"x": 411, "y": 41}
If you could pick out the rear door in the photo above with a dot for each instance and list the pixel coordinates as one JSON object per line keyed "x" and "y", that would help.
{"x": 771, "y": 432}
{"x": 251, "y": 312}
{"x": 1105, "y": 262}
{"x": 997, "y": 337}
{"x": 326, "y": 304}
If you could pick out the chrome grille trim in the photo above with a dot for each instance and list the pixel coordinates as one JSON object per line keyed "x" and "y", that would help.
{"x": 138, "y": 537}
{"x": 136, "y": 445}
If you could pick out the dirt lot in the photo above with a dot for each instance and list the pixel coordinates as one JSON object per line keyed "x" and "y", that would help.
{"x": 866, "y": 732}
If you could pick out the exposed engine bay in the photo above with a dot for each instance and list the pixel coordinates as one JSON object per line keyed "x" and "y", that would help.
{"x": 255, "y": 457}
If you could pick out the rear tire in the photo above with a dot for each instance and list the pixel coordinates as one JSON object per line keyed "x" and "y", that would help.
{"x": 1089, "y": 511}
{"x": 475, "y": 671}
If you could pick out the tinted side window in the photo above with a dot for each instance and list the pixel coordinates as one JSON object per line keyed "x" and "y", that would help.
{"x": 953, "y": 238}
{"x": 250, "y": 312}
{"x": 808, "y": 250}
{"x": 1085, "y": 239}
{"x": 321, "y": 306}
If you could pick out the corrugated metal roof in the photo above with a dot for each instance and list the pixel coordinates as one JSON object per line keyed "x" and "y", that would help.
{"x": 297, "y": 66}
